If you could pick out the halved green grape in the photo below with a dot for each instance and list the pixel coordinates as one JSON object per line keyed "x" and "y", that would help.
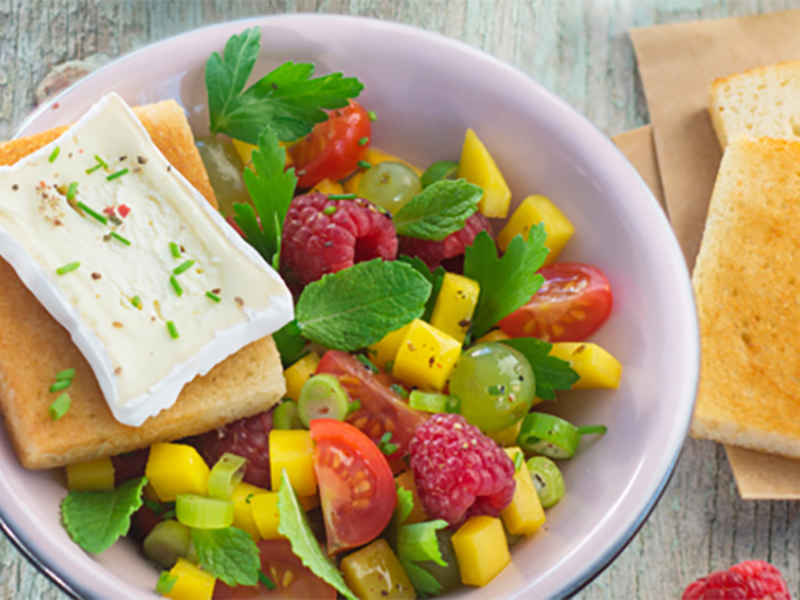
{"x": 552, "y": 436}
{"x": 225, "y": 475}
{"x": 495, "y": 384}
{"x": 449, "y": 577}
{"x": 322, "y": 397}
{"x": 203, "y": 513}
{"x": 428, "y": 401}
{"x": 286, "y": 417}
{"x": 225, "y": 170}
{"x": 389, "y": 185}
{"x": 443, "y": 169}
{"x": 168, "y": 541}
{"x": 547, "y": 480}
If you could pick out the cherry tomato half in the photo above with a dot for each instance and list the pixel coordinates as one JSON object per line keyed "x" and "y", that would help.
{"x": 332, "y": 150}
{"x": 573, "y": 302}
{"x": 356, "y": 486}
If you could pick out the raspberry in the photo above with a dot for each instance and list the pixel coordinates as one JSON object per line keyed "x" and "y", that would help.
{"x": 451, "y": 247}
{"x": 750, "y": 580}
{"x": 325, "y": 236}
{"x": 248, "y": 438}
{"x": 460, "y": 472}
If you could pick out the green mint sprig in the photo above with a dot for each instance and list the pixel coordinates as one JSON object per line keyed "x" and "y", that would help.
{"x": 229, "y": 554}
{"x": 551, "y": 373}
{"x": 440, "y": 209}
{"x": 443, "y": 169}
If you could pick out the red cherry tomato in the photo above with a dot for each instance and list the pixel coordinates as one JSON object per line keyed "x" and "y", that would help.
{"x": 382, "y": 409}
{"x": 356, "y": 486}
{"x": 292, "y": 580}
{"x": 332, "y": 149}
{"x": 574, "y": 301}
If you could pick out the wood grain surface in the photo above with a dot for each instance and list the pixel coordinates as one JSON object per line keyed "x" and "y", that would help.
{"x": 579, "y": 49}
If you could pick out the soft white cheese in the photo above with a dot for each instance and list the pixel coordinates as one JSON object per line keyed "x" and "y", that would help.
{"x": 141, "y": 368}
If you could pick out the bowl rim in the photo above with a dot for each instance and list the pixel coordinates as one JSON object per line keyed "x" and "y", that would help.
{"x": 78, "y": 589}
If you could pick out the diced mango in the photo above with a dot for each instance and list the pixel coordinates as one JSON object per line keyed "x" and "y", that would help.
{"x": 191, "y": 583}
{"x": 242, "y": 499}
{"x": 375, "y": 572}
{"x": 426, "y": 356}
{"x": 418, "y": 514}
{"x": 477, "y": 166}
{"x": 507, "y": 436}
{"x": 532, "y": 211}
{"x": 174, "y": 469}
{"x": 300, "y": 372}
{"x": 596, "y": 366}
{"x": 481, "y": 550}
{"x": 309, "y": 502}
{"x": 266, "y": 516}
{"x": 374, "y": 157}
{"x": 326, "y": 186}
{"x": 455, "y": 305}
{"x": 293, "y": 450}
{"x": 495, "y": 335}
{"x": 525, "y": 515}
{"x": 92, "y": 476}
{"x": 245, "y": 152}
{"x": 386, "y": 350}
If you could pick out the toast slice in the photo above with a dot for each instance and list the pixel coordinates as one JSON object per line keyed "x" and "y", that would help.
{"x": 747, "y": 286}
{"x": 759, "y": 102}
{"x": 33, "y": 346}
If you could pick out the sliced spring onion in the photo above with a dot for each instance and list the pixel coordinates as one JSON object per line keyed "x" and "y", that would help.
{"x": 174, "y": 250}
{"x": 322, "y": 397}
{"x": 65, "y": 374}
{"x": 286, "y": 417}
{"x": 225, "y": 475}
{"x": 176, "y": 286}
{"x": 173, "y": 331}
{"x": 60, "y": 407}
{"x": 552, "y": 436}
{"x": 183, "y": 267}
{"x": 68, "y": 268}
{"x": 168, "y": 541}
{"x": 213, "y": 296}
{"x": 60, "y": 384}
{"x": 547, "y": 480}
{"x": 428, "y": 401}
{"x": 92, "y": 213}
{"x": 203, "y": 513}
{"x": 118, "y": 174}
{"x": 54, "y": 154}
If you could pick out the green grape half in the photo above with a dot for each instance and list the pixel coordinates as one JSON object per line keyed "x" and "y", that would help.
{"x": 389, "y": 185}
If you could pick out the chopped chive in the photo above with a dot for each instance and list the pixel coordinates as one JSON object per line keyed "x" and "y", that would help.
{"x": 496, "y": 390}
{"x": 54, "y": 154}
{"x": 183, "y": 267}
{"x": 173, "y": 331}
{"x": 65, "y": 374}
{"x": 367, "y": 363}
{"x": 329, "y": 210}
{"x": 385, "y": 445}
{"x": 170, "y": 514}
{"x": 373, "y": 116}
{"x": 61, "y": 384}
{"x": 265, "y": 581}
{"x": 156, "y": 507}
{"x": 93, "y": 213}
{"x": 364, "y": 164}
{"x": 519, "y": 459}
{"x": 68, "y": 268}
{"x": 341, "y": 196}
{"x": 353, "y": 406}
{"x": 72, "y": 190}
{"x": 60, "y": 407}
{"x": 136, "y": 301}
{"x": 93, "y": 169}
{"x": 389, "y": 366}
{"x": 119, "y": 238}
{"x": 176, "y": 286}
{"x": 100, "y": 161}
{"x": 165, "y": 583}
{"x": 213, "y": 296}
{"x": 399, "y": 390}
{"x": 175, "y": 250}
{"x": 592, "y": 430}
{"x": 119, "y": 173}
{"x": 363, "y": 141}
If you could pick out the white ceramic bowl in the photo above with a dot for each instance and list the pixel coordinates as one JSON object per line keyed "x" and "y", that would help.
{"x": 427, "y": 90}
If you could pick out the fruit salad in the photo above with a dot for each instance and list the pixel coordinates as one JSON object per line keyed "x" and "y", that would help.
{"x": 411, "y": 450}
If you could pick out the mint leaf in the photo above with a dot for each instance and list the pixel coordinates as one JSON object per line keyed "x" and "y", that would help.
{"x": 419, "y": 543}
{"x": 359, "y": 305}
{"x": 439, "y": 210}
{"x": 291, "y": 345}
{"x": 443, "y": 169}
{"x": 508, "y": 282}
{"x": 551, "y": 373}
{"x": 228, "y": 554}
{"x": 294, "y": 525}
{"x": 271, "y": 189}
{"x": 434, "y": 278}
{"x": 95, "y": 520}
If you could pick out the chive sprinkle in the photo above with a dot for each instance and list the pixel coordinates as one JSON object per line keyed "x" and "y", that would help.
{"x": 60, "y": 407}
{"x": 118, "y": 174}
{"x": 329, "y": 210}
{"x": 100, "y": 161}
{"x": 373, "y": 116}
{"x": 170, "y": 514}
{"x": 93, "y": 213}
{"x": 65, "y": 374}
{"x": 265, "y": 581}
{"x": 363, "y": 141}
{"x": 93, "y": 169}
{"x": 60, "y": 385}
{"x": 54, "y": 154}
{"x": 68, "y": 268}
{"x": 119, "y": 238}
{"x": 176, "y": 286}
{"x": 364, "y": 164}
{"x": 72, "y": 190}
{"x": 175, "y": 250}
{"x": 173, "y": 331}
{"x": 136, "y": 301}
{"x": 519, "y": 459}
{"x": 213, "y": 296}
{"x": 183, "y": 267}
{"x": 341, "y": 196}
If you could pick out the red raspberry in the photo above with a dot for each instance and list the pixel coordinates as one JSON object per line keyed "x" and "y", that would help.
{"x": 325, "y": 236}
{"x": 460, "y": 472}
{"x": 750, "y": 580}
{"x": 451, "y": 247}
{"x": 248, "y": 438}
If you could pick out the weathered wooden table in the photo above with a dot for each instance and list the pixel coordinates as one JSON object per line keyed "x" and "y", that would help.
{"x": 579, "y": 49}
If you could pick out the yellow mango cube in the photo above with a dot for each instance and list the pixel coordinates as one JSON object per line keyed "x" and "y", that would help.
{"x": 596, "y": 366}
{"x": 525, "y": 515}
{"x": 242, "y": 499}
{"x": 191, "y": 582}
{"x": 92, "y": 476}
{"x": 455, "y": 305}
{"x": 300, "y": 372}
{"x": 375, "y": 572}
{"x": 266, "y": 516}
{"x": 174, "y": 469}
{"x": 374, "y": 157}
{"x": 326, "y": 186}
{"x": 477, "y": 166}
{"x": 495, "y": 335}
{"x": 426, "y": 356}
{"x": 386, "y": 350}
{"x": 293, "y": 450}
{"x": 532, "y": 211}
{"x": 309, "y": 502}
{"x": 481, "y": 550}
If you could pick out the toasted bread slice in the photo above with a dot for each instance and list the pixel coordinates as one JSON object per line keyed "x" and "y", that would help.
{"x": 747, "y": 286}
{"x": 759, "y": 102}
{"x": 33, "y": 347}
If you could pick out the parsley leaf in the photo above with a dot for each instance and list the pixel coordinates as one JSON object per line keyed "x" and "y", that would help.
{"x": 551, "y": 373}
{"x": 95, "y": 520}
{"x": 434, "y": 278}
{"x": 229, "y": 554}
{"x": 418, "y": 543}
{"x": 390, "y": 294}
{"x": 439, "y": 210}
{"x": 404, "y": 506}
{"x": 286, "y": 99}
{"x": 294, "y": 525}
{"x": 508, "y": 282}
{"x": 271, "y": 188}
